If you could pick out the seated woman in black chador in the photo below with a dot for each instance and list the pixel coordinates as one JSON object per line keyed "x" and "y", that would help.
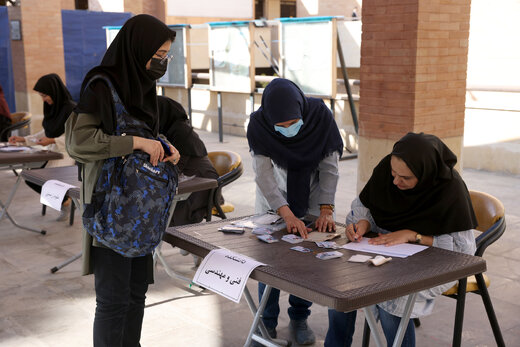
{"x": 414, "y": 195}
{"x": 173, "y": 123}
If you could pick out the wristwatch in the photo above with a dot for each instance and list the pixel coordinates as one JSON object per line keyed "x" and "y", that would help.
{"x": 327, "y": 206}
{"x": 418, "y": 238}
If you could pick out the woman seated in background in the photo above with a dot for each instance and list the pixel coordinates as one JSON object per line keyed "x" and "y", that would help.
{"x": 57, "y": 106}
{"x": 173, "y": 123}
{"x": 414, "y": 195}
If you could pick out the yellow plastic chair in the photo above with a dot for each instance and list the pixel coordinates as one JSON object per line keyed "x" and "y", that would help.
{"x": 490, "y": 214}
{"x": 20, "y": 121}
{"x": 229, "y": 168}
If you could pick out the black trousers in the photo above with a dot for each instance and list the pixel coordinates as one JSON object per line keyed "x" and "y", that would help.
{"x": 121, "y": 284}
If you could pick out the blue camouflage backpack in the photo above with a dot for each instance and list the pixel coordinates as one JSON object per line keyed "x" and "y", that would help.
{"x": 132, "y": 199}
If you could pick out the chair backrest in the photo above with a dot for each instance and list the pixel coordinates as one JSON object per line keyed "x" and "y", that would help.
{"x": 225, "y": 161}
{"x": 490, "y": 214}
{"x": 20, "y": 116}
{"x": 20, "y": 120}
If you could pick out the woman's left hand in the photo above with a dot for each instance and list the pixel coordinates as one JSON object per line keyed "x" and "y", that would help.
{"x": 44, "y": 141}
{"x": 175, "y": 157}
{"x": 393, "y": 238}
{"x": 325, "y": 222}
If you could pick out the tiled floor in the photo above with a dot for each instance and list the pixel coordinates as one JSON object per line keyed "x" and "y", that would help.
{"x": 38, "y": 308}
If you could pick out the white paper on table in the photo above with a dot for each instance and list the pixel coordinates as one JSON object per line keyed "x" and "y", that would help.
{"x": 225, "y": 273}
{"x": 15, "y": 149}
{"x": 400, "y": 251}
{"x": 53, "y": 192}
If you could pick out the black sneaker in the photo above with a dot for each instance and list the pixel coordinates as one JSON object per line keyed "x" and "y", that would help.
{"x": 302, "y": 333}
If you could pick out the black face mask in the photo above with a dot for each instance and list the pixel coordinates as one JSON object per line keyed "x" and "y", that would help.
{"x": 157, "y": 69}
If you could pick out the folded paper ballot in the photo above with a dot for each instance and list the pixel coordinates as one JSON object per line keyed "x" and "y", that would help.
{"x": 379, "y": 260}
{"x": 376, "y": 261}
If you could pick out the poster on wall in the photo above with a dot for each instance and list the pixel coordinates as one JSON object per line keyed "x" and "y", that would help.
{"x": 230, "y": 54}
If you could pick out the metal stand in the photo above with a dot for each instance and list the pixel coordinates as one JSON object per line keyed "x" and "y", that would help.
{"x": 76, "y": 203}
{"x": 4, "y": 208}
{"x": 264, "y": 339}
{"x": 369, "y": 315}
{"x": 220, "y": 121}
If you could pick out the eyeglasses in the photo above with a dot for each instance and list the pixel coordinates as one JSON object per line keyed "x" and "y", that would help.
{"x": 166, "y": 59}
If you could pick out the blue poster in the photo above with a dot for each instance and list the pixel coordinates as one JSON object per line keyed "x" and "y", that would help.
{"x": 6, "y": 62}
{"x": 84, "y": 42}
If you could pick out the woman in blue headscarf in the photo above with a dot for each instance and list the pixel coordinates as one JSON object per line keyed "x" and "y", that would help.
{"x": 296, "y": 145}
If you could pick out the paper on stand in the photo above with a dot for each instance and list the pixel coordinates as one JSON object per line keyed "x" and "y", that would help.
{"x": 53, "y": 192}
{"x": 225, "y": 273}
{"x": 400, "y": 251}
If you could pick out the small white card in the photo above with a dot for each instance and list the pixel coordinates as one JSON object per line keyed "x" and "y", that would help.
{"x": 301, "y": 249}
{"x": 329, "y": 255}
{"x": 266, "y": 238}
{"x": 327, "y": 244}
{"x": 292, "y": 238}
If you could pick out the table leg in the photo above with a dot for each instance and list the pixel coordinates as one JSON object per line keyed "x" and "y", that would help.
{"x": 77, "y": 256}
{"x": 157, "y": 255}
{"x": 66, "y": 262}
{"x": 369, "y": 314}
{"x": 8, "y": 203}
{"x": 265, "y": 339}
{"x": 371, "y": 320}
{"x": 404, "y": 320}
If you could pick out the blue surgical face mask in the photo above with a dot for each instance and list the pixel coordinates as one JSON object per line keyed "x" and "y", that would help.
{"x": 291, "y": 130}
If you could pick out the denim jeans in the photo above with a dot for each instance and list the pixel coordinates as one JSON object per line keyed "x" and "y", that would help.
{"x": 390, "y": 324}
{"x": 341, "y": 328}
{"x": 299, "y": 309}
{"x": 121, "y": 284}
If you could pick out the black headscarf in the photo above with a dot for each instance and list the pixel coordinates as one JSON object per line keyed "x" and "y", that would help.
{"x": 299, "y": 155}
{"x": 438, "y": 204}
{"x": 124, "y": 63}
{"x": 173, "y": 123}
{"x": 55, "y": 115}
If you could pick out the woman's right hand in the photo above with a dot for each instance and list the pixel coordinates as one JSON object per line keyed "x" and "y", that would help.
{"x": 152, "y": 147}
{"x": 355, "y": 232}
{"x": 15, "y": 139}
{"x": 294, "y": 224}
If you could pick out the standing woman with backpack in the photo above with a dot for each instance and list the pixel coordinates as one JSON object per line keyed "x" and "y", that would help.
{"x": 117, "y": 115}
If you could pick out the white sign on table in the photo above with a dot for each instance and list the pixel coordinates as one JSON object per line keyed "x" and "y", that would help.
{"x": 225, "y": 273}
{"x": 53, "y": 192}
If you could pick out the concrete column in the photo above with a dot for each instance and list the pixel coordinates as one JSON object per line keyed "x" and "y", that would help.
{"x": 413, "y": 75}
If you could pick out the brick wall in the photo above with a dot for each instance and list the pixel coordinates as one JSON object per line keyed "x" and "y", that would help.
{"x": 413, "y": 67}
{"x": 155, "y": 8}
{"x": 42, "y": 44}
